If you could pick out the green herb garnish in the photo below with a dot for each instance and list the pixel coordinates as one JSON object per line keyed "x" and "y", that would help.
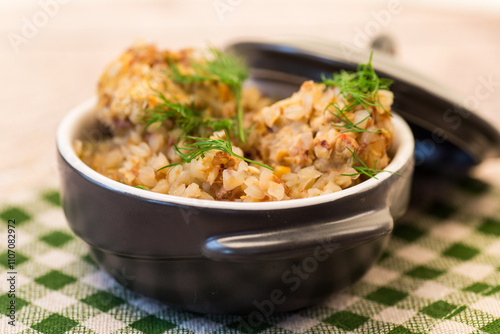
{"x": 186, "y": 117}
{"x": 202, "y": 145}
{"x": 364, "y": 169}
{"x": 221, "y": 67}
{"x": 360, "y": 87}
{"x": 142, "y": 187}
{"x": 350, "y": 126}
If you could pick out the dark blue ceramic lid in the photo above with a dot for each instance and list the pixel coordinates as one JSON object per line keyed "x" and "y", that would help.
{"x": 449, "y": 137}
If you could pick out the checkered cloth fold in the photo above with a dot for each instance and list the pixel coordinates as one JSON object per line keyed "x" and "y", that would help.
{"x": 439, "y": 274}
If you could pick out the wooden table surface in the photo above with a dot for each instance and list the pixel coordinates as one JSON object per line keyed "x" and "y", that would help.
{"x": 52, "y": 53}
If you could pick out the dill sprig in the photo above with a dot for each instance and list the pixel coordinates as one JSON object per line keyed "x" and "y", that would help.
{"x": 186, "y": 117}
{"x": 349, "y": 125}
{"x": 364, "y": 169}
{"x": 360, "y": 87}
{"x": 219, "y": 67}
{"x": 197, "y": 149}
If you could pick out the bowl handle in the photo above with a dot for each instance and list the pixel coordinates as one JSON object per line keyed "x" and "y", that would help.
{"x": 301, "y": 241}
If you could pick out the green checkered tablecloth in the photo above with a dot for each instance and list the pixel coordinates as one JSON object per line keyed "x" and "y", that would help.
{"x": 439, "y": 274}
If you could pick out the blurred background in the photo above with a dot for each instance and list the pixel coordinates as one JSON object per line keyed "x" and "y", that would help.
{"x": 52, "y": 53}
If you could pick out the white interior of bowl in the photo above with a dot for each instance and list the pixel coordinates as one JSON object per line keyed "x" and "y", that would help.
{"x": 82, "y": 120}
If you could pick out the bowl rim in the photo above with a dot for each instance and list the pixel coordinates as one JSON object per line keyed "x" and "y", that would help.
{"x": 71, "y": 123}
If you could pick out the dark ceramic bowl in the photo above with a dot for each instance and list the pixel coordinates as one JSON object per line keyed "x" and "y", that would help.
{"x": 226, "y": 257}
